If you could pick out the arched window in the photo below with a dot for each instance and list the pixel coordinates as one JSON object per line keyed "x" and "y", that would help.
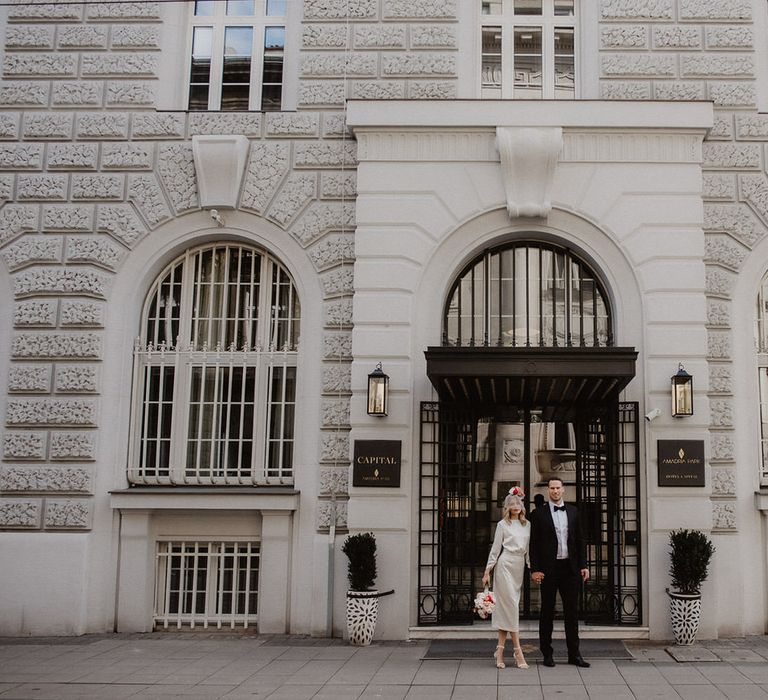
{"x": 761, "y": 345}
{"x": 527, "y": 294}
{"x": 215, "y": 371}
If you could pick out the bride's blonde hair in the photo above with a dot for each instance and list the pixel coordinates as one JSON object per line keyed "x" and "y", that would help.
{"x": 514, "y": 501}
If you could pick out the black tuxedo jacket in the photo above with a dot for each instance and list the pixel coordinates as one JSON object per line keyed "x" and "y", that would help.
{"x": 543, "y": 545}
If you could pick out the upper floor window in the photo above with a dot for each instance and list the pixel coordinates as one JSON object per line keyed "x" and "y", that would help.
{"x": 237, "y": 55}
{"x": 527, "y": 49}
{"x": 215, "y": 371}
{"x": 527, "y": 294}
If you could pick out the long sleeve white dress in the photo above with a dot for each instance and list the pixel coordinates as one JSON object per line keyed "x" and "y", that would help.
{"x": 509, "y": 555}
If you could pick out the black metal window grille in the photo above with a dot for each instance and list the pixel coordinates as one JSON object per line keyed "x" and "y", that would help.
{"x": 528, "y": 294}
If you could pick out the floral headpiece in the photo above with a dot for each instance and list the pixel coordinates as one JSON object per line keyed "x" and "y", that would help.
{"x": 516, "y": 491}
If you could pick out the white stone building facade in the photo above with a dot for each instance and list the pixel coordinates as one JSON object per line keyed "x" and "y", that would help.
{"x": 178, "y": 430}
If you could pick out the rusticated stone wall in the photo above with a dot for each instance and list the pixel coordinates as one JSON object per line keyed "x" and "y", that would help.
{"x": 704, "y": 50}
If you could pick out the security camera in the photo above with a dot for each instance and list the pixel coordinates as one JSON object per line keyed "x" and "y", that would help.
{"x": 653, "y": 415}
{"x": 217, "y": 217}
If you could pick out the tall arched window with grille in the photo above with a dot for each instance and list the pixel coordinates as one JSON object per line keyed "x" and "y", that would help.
{"x": 528, "y": 294}
{"x": 214, "y": 382}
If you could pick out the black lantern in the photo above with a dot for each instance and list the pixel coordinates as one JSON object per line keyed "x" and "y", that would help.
{"x": 682, "y": 393}
{"x": 378, "y": 392}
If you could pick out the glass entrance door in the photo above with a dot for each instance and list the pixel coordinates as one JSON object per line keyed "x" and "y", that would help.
{"x": 469, "y": 463}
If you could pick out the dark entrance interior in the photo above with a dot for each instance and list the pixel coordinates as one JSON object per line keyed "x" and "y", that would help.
{"x": 516, "y": 416}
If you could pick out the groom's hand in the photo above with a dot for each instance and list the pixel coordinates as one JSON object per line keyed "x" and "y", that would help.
{"x": 584, "y": 575}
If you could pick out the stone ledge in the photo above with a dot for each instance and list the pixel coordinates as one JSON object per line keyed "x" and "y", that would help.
{"x": 206, "y": 498}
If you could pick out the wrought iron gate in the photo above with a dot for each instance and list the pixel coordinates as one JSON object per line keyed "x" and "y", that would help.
{"x": 455, "y": 530}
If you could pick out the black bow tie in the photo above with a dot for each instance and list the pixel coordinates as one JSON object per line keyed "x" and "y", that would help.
{"x": 559, "y": 508}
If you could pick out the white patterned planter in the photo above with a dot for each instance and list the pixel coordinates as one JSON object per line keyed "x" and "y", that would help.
{"x": 685, "y": 611}
{"x": 362, "y": 612}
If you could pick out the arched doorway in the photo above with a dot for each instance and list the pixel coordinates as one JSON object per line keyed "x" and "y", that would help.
{"x": 529, "y": 378}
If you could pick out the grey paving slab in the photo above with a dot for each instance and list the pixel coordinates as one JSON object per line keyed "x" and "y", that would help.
{"x": 562, "y": 692}
{"x": 681, "y": 674}
{"x": 721, "y": 673}
{"x": 562, "y": 674}
{"x": 738, "y": 655}
{"x": 699, "y": 692}
{"x": 692, "y": 653}
{"x": 429, "y": 692}
{"x": 434, "y": 673}
{"x": 518, "y": 693}
{"x": 294, "y": 692}
{"x": 465, "y": 692}
{"x": 340, "y": 692}
{"x": 528, "y": 677}
{"x": 617, "y": 691}
{"x": 477, "y": 673}
{"x": 641, "y": 674}
{"x": 755, "y": 673}
{"x": 737, "y": 691}
{"x": 649, "y": 691}
{"x": 385, "y": 692}
{"x": 60, "y": 691}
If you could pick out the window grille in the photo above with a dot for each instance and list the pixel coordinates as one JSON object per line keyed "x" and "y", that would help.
{"x": 761, "y": 347}
{"x": 527, "y": 49}
{"x": 528, "y": 295}
{"x": 237, "y": 55}
{"x": 215, "y": 372}
{"x": 207, "y": 584}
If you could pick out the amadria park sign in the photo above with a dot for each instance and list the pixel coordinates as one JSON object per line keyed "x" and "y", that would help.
{"x": 681, "y": 462}
{"x": 376, "y": 463}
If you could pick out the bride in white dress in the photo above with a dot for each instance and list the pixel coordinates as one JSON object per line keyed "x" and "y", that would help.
{"x": 508, "y": 557}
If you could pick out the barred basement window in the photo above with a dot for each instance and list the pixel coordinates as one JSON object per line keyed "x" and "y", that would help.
{"x": 237, "y": 56}
{"x": 215, "y": 372}
{"x": 206, "y": 583}
{"x": 527, "y": 49}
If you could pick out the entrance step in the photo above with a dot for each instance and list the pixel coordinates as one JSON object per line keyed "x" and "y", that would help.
{"x": 529, "y": 629}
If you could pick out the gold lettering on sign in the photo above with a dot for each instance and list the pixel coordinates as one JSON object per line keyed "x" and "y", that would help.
{"x": 681, "y": 453}
{"x": 376, "y": 460}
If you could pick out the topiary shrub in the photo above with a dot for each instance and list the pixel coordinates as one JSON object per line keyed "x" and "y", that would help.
{"x": 691, "y": 554}
{"x": 361, "y": 552}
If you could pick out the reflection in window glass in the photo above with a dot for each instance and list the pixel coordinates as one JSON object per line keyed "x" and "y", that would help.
{"x": 565, "y": 83}
{"x": 272, "y": 78}
{"x": 527, "y": 7}
{"x": 564, "y": 8}
{"x": 236, "y": 72}
{"x": 240, "y": 8}
{"x": 275, "y": 8}
{"x": 491, "y": 62}
{"x": 490, "y": 7}
{"x": 200, "y": 73}
{"x": 528, "y": 62}
{"x": 204, "y": 8}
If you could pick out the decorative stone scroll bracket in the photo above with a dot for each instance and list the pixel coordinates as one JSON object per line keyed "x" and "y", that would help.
{"x": 220, "y": 166}
{"x": 528, "y": 159}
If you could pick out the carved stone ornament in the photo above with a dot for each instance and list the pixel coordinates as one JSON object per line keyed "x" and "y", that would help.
{"x": 528, "y": 160}
{"x": 220, "y": 165}
{"x": 67, "y": 514}
{"x": 723, "y": 482}
{"x": 20, "y": 513}
{"x": 723, "y": 516}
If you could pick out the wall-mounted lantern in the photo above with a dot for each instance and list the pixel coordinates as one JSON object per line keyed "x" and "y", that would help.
{"x": 378, "y": 392}
{"x": 682, "y": 393}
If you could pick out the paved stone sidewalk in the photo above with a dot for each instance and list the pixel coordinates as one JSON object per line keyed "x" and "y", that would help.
{"x": 210, "y": 666}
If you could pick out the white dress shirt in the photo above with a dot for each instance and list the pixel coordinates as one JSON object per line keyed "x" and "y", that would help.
{"x": 560, "y": 520}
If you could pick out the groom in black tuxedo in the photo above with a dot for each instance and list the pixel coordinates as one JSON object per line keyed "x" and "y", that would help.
{"x": 558, "y": 564}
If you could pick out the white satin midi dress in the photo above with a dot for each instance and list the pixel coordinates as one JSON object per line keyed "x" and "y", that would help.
{"x": 508, "y": 557}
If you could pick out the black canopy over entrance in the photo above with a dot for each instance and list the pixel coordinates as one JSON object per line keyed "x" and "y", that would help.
{"x": 562, "y": 382}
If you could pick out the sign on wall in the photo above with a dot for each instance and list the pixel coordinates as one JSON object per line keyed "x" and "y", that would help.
{"x": 681, "y": 462}
{"x": 376, "y": 463}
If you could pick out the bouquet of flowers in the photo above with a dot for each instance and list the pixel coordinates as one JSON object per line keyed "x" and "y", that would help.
{"x": 484, "y": 603}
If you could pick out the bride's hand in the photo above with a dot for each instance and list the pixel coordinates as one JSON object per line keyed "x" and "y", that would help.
{"x": 486, "y": 579}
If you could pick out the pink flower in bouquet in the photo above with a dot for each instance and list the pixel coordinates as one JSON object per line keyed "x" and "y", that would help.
{"x": 484, "y": 604}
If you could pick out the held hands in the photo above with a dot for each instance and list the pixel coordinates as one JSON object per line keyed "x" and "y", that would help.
{"x": 537, "y": 576}
{"x": 584, "y": 575}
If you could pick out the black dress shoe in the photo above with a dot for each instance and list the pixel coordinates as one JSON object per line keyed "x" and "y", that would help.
{"x": 578, "y": 661}
{"x": 548, "y": 660}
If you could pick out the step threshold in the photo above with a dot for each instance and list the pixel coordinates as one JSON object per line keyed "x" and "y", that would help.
{"x": 529, "y": 629}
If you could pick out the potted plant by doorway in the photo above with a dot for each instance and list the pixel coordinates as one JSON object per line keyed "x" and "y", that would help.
{"x": 362, "y": 599}
{"x": 691, "y": 552}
